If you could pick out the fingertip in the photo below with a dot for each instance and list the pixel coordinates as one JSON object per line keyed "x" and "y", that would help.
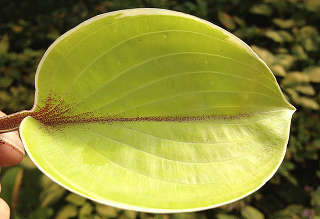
{"x": 9, "y": 155}
{"x": 4, "y": 210}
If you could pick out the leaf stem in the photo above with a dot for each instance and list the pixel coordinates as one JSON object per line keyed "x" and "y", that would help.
{"x": 12, "y": 122}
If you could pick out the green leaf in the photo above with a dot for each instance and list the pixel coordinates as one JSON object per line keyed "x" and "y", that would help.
{"x": 286, "y": 36}
{"x": 279, "y": 36}
{"x": 68, "y": 211}
{"x": 278, "y": 70}
{"x": 284, "y": 23}
{"x": 250, "y": 212}
{"x": 264, "y": 54}
{"x": 27, "y": 163}
{"x": 299, "y": 52}
{"x": 187, "y": 216}
{"x": 261, "y": 9}
{"x": 156, "y": 111}
{"x": 314, "y": 75}
{"x": 295, "y": 78}
{"x": 304, "y": 101}
{"x": 274, "y": 35}
{"x": 106, "y": 211}
{"x": 312, "y": 5}
{"x": 41, "y": 213}
{"x": 226, "y": 20}
{"x": 226, "y": 216}
{"x": 305, "y": 89}
{"x": 75, "y": 199}
{"x": 4, "y": 44}
{"x": 285, "y": 60}
{"x": 10, "y": 186}
{"x": 315, "y": 201}
{"x": 51, "y": 192}
{"x": 292, "y": 211}
{"x": 130, "y": 214}
{"x": 85, "y": 211}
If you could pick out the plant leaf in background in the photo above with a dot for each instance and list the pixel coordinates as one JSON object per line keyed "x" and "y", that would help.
{"x": 156, "y": 111}
{"x": 11, "y": 181}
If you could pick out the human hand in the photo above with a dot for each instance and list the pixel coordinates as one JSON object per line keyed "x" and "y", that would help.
{"x": 11, "y": 153}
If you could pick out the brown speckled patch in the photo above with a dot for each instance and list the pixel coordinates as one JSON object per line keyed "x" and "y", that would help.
{"x": 55, "y": 112}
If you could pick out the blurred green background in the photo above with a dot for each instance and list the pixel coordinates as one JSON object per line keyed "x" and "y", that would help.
{"x": 284, "y": 33}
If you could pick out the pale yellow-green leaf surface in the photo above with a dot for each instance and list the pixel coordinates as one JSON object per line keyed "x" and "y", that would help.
{"x": 157, "y": 111}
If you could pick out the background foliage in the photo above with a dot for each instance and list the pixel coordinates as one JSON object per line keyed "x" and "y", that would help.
{"x": 284, "y": 33}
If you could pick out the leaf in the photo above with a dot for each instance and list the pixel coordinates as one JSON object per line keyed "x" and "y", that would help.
{"x": 130, "y": 214}
{"x": 304, "y": 101}
{"x": 68, "y": 211}
{"x": 226, "y": 216}
{"x": 286, "y": 36}
{"x": 51, "y": 192}
{"x": 85, "y": 211}
{"x": 106, "y": 211}
{"x": 310, "y": 45}
{"x": 261, "y": 9}
{"x": 278, "y": 70}
{"x": 226, "y": 20}
{"x": 156, "y": 111}
{"x": 284, "y": 23}
{"x": 274, "y": 35}
{"x": 295, "y": 78}
{"x": 314, "y": 75}
{"x": 4, "y": 44}
{"x": 27, "y": 163}
{"x": 292, "y": 211}
{"x": 284, "y": 171}
{"x": 250, "y": 212}
{"x": 279, "y": 36}
{"x": 305, "y": 89}
{"x": 285, "y": 60}
{"x": 10, "y": 186}
{"x": 41, "y": 213}
{"x": 75, "y": 199}
{"x": 299, "y": 52}
{"x": 239, "y": 21}
{"x": 265, "y": 54}
{"x": 315, "y": 201}
{"x": 187, "y": 216}
{"x": 312, "y": 5}
{"x": 307, "y": 32}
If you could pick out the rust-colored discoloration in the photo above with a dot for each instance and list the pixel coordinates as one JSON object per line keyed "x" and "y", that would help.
{"x": 12, "y": 122}
{"x": 55, "y": 112}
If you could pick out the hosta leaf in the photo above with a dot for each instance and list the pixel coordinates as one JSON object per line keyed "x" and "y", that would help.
{"x": 106, "y": 211}
{"x": 264, "y": 54}
{"x": 305, "y": 89}
{"x": 75, "y": 199}
{"x": 285, "y": 60}
{"x": 157, "y": 111}
{"x": 274, "y": 35}
{"x": 295, "y": 78}
{"x": 304, "y": 101}
{"x": 312, "y": 5}
{"x": 10, "y": 184}
{"x": 299, "y": 52}
{"x": 85, "y": 211}
{"x": 226, "y": 216}
{"x": 68, "y": 211}
{"x": 261, "y": 9}
{"x": 250, "y": 212}
{"x": 278, "y": 70}
{"x": 314, "y": 75}
{"x": 226, "y": 20}
{"x": 4, "y": 44}
{"x": 284, "y": 23}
